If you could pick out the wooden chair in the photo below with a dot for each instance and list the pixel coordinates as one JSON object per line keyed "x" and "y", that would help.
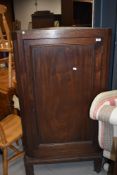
{"x": 6, "y": 43}
{"x": 10, "y": 132}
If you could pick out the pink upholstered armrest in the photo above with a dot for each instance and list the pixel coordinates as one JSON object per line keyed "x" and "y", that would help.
{"x": 104, "y": 107}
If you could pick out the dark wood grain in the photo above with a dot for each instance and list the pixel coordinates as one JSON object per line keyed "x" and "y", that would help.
{"x": 59, "y": 72}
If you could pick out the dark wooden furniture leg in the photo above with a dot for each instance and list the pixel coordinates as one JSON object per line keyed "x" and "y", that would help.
{"x": 115, "y": 168}
{"x": 28, "y": 166}
{"x": 98, "y": 165}
{"x": 113, "y": 164}
{"x": 114, "y": 171}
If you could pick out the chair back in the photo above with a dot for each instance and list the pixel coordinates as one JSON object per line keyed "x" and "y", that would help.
{"x": 6, "y": 45}
{"x": 5, "y": 37}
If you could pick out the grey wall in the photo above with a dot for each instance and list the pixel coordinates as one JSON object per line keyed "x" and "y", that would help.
{"x": 105, "y": 16}
{"x": 114, "y": 85}
{"x": 24, "y": 8}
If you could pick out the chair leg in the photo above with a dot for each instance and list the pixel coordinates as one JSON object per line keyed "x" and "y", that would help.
{"x": 10, "y": 70}
{"x": 5, "y": 161}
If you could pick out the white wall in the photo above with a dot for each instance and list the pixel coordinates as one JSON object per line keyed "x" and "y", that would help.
{"x": 24, "y": 8}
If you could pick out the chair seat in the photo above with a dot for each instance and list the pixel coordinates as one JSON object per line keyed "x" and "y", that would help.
{"x": 12, "y": 129}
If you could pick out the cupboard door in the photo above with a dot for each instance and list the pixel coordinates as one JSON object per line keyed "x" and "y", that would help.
{"x": 62, "y": 73}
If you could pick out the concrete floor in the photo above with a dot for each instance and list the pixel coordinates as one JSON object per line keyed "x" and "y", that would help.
{"x": 77, "y": 168}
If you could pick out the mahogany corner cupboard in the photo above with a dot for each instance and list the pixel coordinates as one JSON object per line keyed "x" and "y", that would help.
{"x": 59, "y": 72}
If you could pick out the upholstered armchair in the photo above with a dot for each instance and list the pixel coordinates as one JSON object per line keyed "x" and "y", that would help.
{"x": 104, "y": 109}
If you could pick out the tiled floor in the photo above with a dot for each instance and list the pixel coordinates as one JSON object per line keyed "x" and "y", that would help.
{"x": 79, "y": 168}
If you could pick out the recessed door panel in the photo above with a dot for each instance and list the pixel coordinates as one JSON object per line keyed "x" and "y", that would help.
{"x": 63, "y": 77}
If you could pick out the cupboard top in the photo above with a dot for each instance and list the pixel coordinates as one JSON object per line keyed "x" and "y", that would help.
{"x": 61, "y": 32}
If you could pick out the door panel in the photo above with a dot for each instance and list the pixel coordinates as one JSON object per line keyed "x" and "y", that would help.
{"x": 59, "y": 72}
{"x": 63, "y": 76}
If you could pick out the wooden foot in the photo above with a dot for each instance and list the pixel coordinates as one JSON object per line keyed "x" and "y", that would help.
{"x": 112, "y": 168}
{"x": 115, "y": 168}
{"x": 98, "y": 165}
{"x": 115, "y": 152}
{"x": 28, "y": 167}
